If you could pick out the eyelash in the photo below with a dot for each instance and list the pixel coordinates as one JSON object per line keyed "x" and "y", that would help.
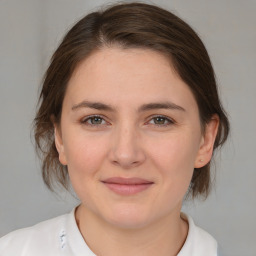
{"x": 84, "y": 121}
{"x": 169, "y": 120}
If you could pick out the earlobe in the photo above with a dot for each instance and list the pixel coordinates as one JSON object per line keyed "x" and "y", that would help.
{"x": 207, "y": 143}
{"x": 59, "y": 145}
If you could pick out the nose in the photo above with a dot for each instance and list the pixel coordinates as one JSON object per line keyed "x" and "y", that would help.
{"x": 126, "y": 149}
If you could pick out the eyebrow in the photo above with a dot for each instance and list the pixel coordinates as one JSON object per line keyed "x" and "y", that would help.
{"x": 144, "y": 107}
{"x": 161, "y": 105}
{"x": 94, "y": 105}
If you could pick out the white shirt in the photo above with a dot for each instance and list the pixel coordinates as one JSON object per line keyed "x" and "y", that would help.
{"x": 60, "y": 236}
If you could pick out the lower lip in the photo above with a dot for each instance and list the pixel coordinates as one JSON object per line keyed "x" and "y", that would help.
{"x": 126, "y": 189}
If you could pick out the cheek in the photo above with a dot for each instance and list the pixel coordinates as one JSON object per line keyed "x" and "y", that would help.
{"x": 175, "y": 161}
{"x": 85, "y": 155}
{"x": 177, "y": 150}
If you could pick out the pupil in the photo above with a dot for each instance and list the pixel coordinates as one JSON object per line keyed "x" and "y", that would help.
{"x": 96, "y": 120}
{"x": 160, "y": 120}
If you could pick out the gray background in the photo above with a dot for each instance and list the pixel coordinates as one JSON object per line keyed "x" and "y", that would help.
{"x": 29, "y": 32}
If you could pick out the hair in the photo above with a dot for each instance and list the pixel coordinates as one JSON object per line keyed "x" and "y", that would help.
{"x": 128, "y": 25}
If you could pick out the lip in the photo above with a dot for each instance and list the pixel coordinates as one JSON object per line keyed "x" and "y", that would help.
{"x": 127, "y": 186}
{"x": 127, "y": 181}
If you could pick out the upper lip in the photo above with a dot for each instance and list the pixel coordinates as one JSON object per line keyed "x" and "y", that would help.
{"x": 127, "y": 181}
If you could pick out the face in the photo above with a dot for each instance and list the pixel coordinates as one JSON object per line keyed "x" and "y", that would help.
{"x": 131, "y": 137}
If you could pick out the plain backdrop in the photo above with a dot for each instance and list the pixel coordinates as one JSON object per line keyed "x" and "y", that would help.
{"x": 30, "y": 30}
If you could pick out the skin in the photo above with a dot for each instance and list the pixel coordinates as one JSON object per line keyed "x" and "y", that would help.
{"x": 128, "y": 141}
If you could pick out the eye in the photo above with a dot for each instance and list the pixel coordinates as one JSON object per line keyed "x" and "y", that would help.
{"x": 161, "y": 121}
{"x": 94, "y": 121}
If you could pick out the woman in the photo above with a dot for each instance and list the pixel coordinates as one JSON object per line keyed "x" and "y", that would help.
{"x": 129, "y": 113}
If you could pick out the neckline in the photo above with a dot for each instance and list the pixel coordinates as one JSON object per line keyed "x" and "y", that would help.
{"x": 79, "y": 246}
{"x": 77, "y": 243}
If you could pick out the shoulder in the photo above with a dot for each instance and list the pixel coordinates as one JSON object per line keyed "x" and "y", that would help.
{"x": 34, "y": 240}
{"x": 198, "y": 242}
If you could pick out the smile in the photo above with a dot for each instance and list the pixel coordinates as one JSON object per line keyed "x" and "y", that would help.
{"x": 127, "y": 186}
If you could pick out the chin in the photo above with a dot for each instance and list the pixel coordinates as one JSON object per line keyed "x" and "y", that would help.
{"x": 128, "y": 218}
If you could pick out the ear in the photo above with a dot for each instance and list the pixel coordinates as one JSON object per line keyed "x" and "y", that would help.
{"x": 207, "y": 142}
{"x": 59, "y": 144}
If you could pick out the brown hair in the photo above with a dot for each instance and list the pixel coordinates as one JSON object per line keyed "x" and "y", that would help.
{"x": 132, "y": 25}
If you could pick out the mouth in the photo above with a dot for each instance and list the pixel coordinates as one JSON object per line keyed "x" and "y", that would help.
{"x": 127, "y": 186}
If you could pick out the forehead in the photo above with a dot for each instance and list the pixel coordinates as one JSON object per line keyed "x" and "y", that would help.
{"x": 118, "y": 63}
{"x": 127, "y": 75}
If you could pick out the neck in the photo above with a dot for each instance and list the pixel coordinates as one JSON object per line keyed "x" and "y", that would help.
{"x": 163, "y": 237}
